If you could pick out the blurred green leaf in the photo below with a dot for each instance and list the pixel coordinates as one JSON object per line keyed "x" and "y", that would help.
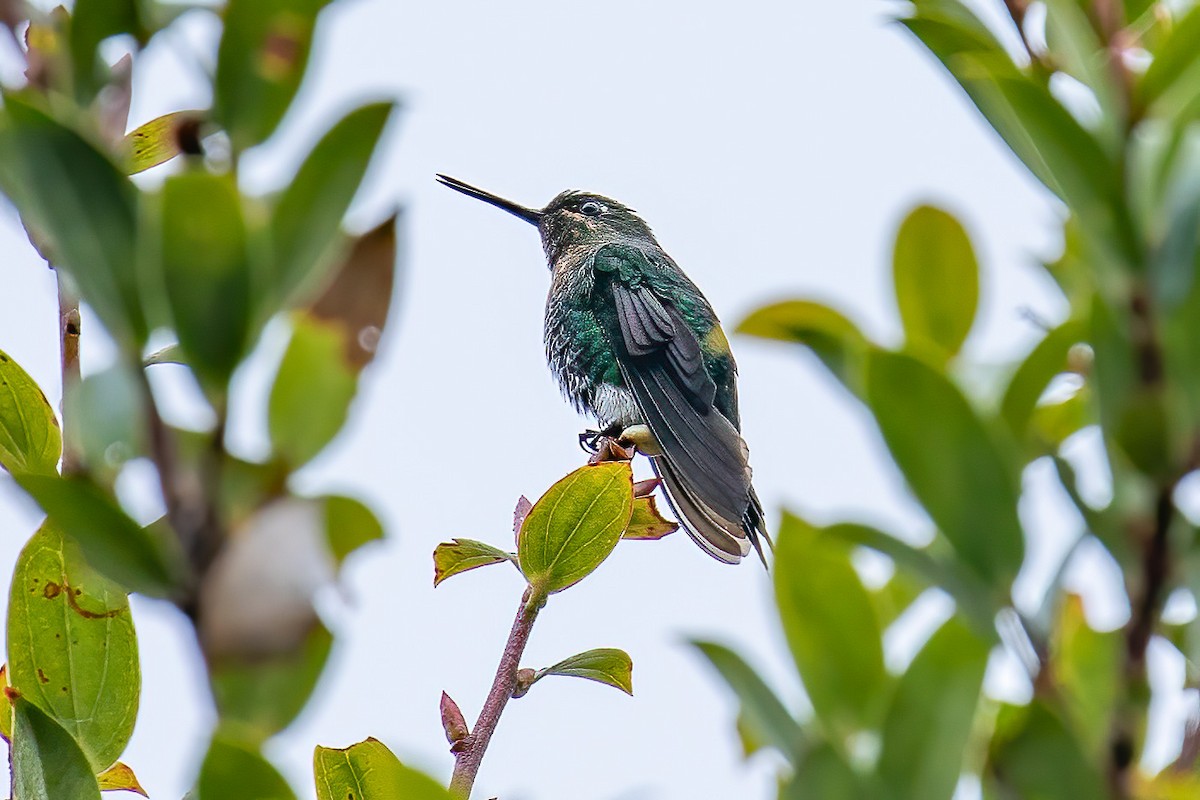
{"x": 313, "y": 389}
{"x": 1033, "y": 755}
{"x": 47, "y": 763}
{"x": 824, "y": 775}
{"x": 647, "y": 523}
{"x": 893, "y": 598}
{"x": 305, "y": 225}
{"x": 950, "y": 461}
{"x": 350, "y": 525}
{"x": 830, "y": 626}
{"x": 72, "y": 649}
{"x": 927, "y": 727}
{"x": 260, "y": 62}
{"x": 234, "y": 770}
{"x": 460, "y": 555}
{"x": 1175, "y": 69}
{"x": 833, "y": 338}
{"x": 93, "y": 21}
{"x": 6, "y": 711}
{"x": 80, "y": 209}
{"x": 108, "y": 412}
{"x": 1048, "y": 359}
{"x": 30, "y": 439}
{"x": 369, "y": 771}
{"x": 606, "y": 665}
{"x": 116, "y": 546}
{"x": 207, "y": 273}
{"x": 1077, "y": 48}
{"x": 1085, "y": 666}
{"x": 1051, "y": 143}
{"x": 575, "y": 525}
{"x": 763, "y": 715}
{"x": 262, "y": 697}
{"x": 1054, "y": 422}
{"x": 120, "y": 778}
{"x": 937, "y": 281}
{"x": 159, "y": 140}
{"x": 972, "y": 597}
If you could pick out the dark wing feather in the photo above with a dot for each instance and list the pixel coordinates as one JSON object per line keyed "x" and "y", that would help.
{"x": 663, "y": 365}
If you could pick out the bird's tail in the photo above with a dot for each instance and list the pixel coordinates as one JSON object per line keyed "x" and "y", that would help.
{"x": 722, "y": 538}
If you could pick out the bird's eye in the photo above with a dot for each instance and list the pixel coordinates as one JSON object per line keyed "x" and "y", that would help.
{"x": 591, "y": 208}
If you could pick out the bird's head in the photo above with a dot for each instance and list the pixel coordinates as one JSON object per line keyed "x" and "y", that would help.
{"x": 572, "y": 219}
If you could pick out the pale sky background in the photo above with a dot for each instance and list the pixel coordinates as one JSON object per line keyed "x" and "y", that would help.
{"x": 773, "y": 147}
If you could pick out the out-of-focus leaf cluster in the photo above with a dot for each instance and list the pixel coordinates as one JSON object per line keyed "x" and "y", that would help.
{"x": 1119, "y": 153}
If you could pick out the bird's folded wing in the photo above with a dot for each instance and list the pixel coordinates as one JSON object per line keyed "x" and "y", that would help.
{"x": 663, "y": 365}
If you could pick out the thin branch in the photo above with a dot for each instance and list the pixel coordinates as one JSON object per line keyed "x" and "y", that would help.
{"x": 469, "y": 752}
{"x": 69, "y": 328}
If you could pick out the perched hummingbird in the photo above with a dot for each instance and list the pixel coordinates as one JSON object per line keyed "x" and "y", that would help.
{"x": 633, "y": 342}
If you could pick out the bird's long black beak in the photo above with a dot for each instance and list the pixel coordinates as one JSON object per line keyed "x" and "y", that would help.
{"x": 530, "y": 215}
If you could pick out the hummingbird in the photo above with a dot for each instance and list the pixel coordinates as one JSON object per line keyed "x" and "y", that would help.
{"x": 634, "y": 343}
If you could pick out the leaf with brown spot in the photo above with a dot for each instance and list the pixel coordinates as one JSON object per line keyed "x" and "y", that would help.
{"x": 647, "y": 524}
{"x": 360, "y": 294}
{"x": 161, "y": 139}
{"x": 120, "y": 778}
{"x": 460, "y": 555}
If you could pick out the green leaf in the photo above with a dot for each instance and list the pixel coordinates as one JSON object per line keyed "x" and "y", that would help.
{"x": 1176, "y": 65}
{"x": 207, "y": 272}
{"x": 350, "y": 525}
{"x": 972, "y": 597}
{"x": 313, "y": 389}
{"x": 824, "y": 775}
{"x": 263, "y": 696}
{"x": 1048, "y": 359}
{"x": 235, "y": 770}
{"x": 950, "y": 461}
{"x": 72, "y": 649}
{"x": 1051, "y": 143}
{"x": 1085, "y": 666}
{"x": 108, "y": 412}
{"x": 1074, "y": 43}
{"x": 93, "y": 21}
{"x": 369, "y": 771}
{"x": 575, "y": 525}
{"x": 833, "y": 338}
{"x": 30, "y": 439}
{"x": 120, "y": 778}
{"x": 937, "y": 281}
{"x": 260, "y": 63}
{"x": 138, "y": 558}
{"x": 459, "y": 555}
{"x": 830, "y": 626}
{"x": 929, "y": 723}
{"x": 47, "y": 763}
{"x": 80, "y": 209}
{"x": 606, "y": 665}
{"x": 1034, "y": 755}
{"x": 647, "y": 523}
{"x": 160, "y": 140}
{"x": 305, "y": 225}
{"x": 894, "y": 597}
{"x": 762, "y": 713}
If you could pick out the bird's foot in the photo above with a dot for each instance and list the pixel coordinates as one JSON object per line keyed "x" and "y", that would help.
{"x": 589, "y": 440}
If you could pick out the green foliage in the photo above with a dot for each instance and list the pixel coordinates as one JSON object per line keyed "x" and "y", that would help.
{"x": 47, "y": 763}
{"x": 606, "y": 665}
{"x": 72, "y": 650}
{"x": 459, "y": 555}
{"x": 369, "y": 771}
{"x": 30, "y": 439}
{"x": 575, "y": 525}
{"x": 933, "y": 250}
{"x": 235, "y": 770}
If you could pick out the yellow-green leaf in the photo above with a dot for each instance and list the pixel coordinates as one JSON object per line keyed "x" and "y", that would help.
{"x": 575, "y": 525}
{"x": 647, "y": 523}
{"x": 459, "y": 555}
{"x": 120, "y": 778}
{"x": 369, "y": 771}
{"x": 159, "y": 140}
{"x": 832, "y": 337}
{"x": 606, "y": 665}
{"x": 30, "y": 439}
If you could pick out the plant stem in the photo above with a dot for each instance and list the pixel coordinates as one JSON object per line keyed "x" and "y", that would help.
{"x": 470, "y": 754}
{"x": 68, "y": 328}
